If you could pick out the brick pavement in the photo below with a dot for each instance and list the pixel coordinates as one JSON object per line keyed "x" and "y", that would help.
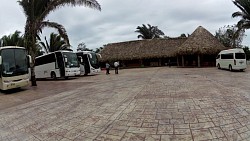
{"x": 150, "y": 104}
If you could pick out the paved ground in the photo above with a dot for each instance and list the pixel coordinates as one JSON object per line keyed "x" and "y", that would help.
{"x": 151, "y": 104}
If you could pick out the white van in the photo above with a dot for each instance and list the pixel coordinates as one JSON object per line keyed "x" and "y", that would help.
{"x": 232, "y": 59}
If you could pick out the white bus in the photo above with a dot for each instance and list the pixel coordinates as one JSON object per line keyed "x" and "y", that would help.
{"x": 90, "y": 63}
{"x": 232, "y": 59}
{"x": 14, "y": 64}
{"x": 57, "y": 64}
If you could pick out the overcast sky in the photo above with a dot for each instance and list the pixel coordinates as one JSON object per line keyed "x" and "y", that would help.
{"x": 119, "y": 18}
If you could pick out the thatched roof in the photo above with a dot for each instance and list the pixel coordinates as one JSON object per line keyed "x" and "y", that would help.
{"x": 201, "y": 41}
{"x": 140, "y": 49}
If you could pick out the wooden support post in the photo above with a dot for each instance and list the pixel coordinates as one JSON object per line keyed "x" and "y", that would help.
{"x": 182, "y": 59}
{"x": 199, "y": 61}
{"x": 177, "y": 61}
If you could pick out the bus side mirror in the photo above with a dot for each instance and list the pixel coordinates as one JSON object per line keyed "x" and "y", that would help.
{"x": 30, "y": 59}
{"x": 65, "y": 59}
{"x": 100, "y": 56}
{"x": 80, "y": 58}
{"x": 90, "y": 56}
{"x": 0, "y": 60}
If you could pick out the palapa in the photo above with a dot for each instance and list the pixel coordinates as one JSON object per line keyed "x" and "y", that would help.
{"x": 201, "y": 41}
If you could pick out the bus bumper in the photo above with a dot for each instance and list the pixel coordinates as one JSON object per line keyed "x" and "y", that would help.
{"x": 95, "y": 71}
{"x": 74, "y": 72}
{"x": 15, "y": 84}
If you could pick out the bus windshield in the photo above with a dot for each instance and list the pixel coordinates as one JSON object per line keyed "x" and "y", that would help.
{"x": 240, "y": 56}
{"x": 72, "y": 60}
{"x": 94, "y": 60}
{"x": 14, "y": 62}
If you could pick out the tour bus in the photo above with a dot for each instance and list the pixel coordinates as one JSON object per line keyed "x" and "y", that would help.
{"x": 232, "y": 59}
{"x": 90, "y": 63}
{"x": 14, "y": 64}
{"x": 58, "y": 64}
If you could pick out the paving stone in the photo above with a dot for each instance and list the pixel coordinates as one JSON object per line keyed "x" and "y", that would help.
{"x": 138, "y": 104}
{"x": 176, "y": 138}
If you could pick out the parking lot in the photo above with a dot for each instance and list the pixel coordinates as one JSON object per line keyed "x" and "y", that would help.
{"x": 151, "y": 104}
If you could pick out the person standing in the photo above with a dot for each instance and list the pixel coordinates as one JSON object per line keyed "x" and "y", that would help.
{"x": 107, "y": 68}
{"x": 116, "y": 64}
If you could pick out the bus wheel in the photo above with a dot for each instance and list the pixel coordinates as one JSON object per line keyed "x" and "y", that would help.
{"x": 53, "y": 75}
{"x": 66, "y": 77}
{"x": 218, "y": 66}
{"x": 230, "y": 68}
{"x": 85, "y": 74}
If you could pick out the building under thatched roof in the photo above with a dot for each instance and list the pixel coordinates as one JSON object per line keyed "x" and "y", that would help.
{"x": 200, "y": 41}
{"x": 199, "y": 49}
{"x": 141, "y": 49}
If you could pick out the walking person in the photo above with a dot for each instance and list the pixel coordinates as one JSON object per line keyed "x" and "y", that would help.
{"x": 169, "y": 62}
{"x": 116, "y": 64}
{"x": 107, "y": 68}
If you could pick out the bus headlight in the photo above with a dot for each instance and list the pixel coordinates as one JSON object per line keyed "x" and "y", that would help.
{"x": 7, "y": 81}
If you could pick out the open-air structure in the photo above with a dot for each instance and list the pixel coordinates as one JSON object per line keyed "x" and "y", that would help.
{"x": 199, "y": 49}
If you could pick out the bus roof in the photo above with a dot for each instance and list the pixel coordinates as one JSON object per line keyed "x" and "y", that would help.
{"x": 234, "y": 50}
{"x": 55, "y": 52}
{"x": 8, "y": 47}
{"x": 85, "y": 52}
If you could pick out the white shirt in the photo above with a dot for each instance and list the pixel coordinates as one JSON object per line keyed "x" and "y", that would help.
{"x": 116, "y": 64}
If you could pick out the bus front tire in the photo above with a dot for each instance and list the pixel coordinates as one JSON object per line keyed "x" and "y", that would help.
{"x": 53, "y": 75}
{"x": 218, "y": 66}
{"x": 230, "y": 68}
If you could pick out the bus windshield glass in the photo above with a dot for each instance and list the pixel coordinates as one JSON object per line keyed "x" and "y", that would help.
{"x": 240, "y": 56}
{"x": 14, "y": 62}
{"x": 94, "y": 60}
{"x": 72, "y": 60}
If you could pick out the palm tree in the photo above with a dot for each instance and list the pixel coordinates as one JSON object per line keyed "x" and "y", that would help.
{"x": 36, "y": 12}
{"x": 12, "y": 40}
{"x": 244, "y": 6}
{"x": 55, "y": 43}
{"x": 149, "y": 32}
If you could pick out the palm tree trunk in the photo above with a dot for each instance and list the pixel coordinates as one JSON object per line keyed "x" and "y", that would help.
{"x": 33, "y": 45}
{"x": 32, "y": 69}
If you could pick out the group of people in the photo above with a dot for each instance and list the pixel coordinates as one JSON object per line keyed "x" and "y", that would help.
{"x": 116, "y": 65}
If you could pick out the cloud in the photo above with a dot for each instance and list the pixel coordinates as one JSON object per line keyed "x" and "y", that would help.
{"x": 118, "y": 19}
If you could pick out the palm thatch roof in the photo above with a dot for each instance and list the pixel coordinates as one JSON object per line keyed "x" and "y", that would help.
{"x": 201, "y": 41}
{"x": 141, "y": 49}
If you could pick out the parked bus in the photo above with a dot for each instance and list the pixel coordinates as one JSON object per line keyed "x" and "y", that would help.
{"x": 232, "y": 59}
{"x": 90, "y": 63}
{"x": 14, "y": 64}
{"x": 59, "y": 64}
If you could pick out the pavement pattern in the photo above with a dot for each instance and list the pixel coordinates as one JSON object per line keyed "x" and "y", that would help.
{"x": 146, "y": 104}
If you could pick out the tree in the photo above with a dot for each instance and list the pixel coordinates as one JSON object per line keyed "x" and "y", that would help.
{"x": 55, "y": 43}
{"x": 149, "y": 32}
{"x": 247, "y": 52}
{"x": 36, "y": 12}
{"x": 183, "y": 35}
{"x": 98, "y": 50}
{"x": 230, "y": 36}
{"x": 244, "y": 6}
{"x": 82, "y": 47}
{"x": 12, "y": 40}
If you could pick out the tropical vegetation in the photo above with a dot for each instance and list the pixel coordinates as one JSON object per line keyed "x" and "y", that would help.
{"x": 149, "y": 32}
{"x": 230, "y": 36}
{"x": 15, "y": 39}
{"x": 36, "y": 12}
{"x": 244, "y": 13}
{"x": 55, "y": 43}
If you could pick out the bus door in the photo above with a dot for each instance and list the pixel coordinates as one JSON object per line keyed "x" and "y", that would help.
{"x": 86, "y": 63}
{"x": 60, "y": 63}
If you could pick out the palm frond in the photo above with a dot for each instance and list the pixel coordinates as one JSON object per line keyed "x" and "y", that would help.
{"x": 59, "y": 27}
